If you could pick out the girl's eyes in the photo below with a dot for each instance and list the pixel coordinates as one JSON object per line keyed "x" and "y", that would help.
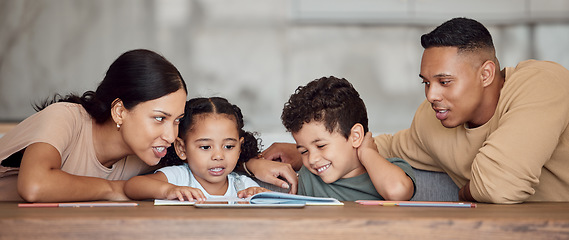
{"x": 159, "y": 119}
{"x": 321, "y": 146}
{"x": 229, "y": 147}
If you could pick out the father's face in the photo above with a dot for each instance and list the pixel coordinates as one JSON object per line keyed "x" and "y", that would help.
{"x": 451, "y": 85}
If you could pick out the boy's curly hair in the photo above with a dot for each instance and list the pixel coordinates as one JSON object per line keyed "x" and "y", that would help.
{"x": 197, "y": 106}
{"x": 329, "y": 100}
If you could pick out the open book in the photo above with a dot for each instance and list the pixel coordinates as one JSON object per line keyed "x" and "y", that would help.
{"x": 264, "y": 199}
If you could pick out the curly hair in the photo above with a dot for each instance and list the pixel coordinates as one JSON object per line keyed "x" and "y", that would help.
{"x": 330, "y": 100}
{"x": 197, "y": 106}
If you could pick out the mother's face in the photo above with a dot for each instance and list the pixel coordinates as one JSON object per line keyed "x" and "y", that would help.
{"x": 149, "y": 128}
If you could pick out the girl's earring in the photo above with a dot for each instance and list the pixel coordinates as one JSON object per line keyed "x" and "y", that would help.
{"x": 118, "y": 127}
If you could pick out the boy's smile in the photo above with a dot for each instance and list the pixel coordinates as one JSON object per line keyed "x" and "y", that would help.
{"x": 329, "y": 155}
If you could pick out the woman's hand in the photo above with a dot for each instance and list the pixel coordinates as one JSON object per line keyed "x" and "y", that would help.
{"x": 251, "y": 191}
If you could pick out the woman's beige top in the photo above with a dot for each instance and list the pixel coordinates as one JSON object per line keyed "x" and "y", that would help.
{"x": 68, "y": 128}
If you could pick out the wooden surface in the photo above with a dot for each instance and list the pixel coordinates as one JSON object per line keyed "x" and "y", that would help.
{"x": 352, "y": 221}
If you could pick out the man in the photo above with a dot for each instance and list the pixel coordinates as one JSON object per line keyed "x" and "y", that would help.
{"x": 501, "y": 135}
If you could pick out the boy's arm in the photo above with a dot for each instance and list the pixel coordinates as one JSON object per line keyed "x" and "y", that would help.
{"x": 390, "y": 181}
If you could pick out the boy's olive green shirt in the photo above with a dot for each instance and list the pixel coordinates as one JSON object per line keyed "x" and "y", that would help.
{"x": 345, "y": 189}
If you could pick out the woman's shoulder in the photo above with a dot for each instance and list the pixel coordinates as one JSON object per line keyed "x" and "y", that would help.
{"x": 64, "y": 115}
{"x": 64, "y": 107}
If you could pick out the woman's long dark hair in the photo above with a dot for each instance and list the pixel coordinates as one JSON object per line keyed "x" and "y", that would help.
{"x": 134, "y": 77}
{"x": 217, "y": 105}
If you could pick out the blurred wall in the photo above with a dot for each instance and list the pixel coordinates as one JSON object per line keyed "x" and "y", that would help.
{"x": 256, "y": 52}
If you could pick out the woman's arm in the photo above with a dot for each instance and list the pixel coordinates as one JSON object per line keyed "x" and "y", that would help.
{"x": 390, "y": 181}
{"x": 9, "y": 189}
{"x": 41, "y": 180}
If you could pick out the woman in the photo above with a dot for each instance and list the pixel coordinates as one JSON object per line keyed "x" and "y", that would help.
{"x": 85, "y": 147}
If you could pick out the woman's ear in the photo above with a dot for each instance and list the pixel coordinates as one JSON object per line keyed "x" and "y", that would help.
{"x": 117, "y": 111}
{"x": 180, "y": 148}
{"x": 241, "y": 141}
{"x": 357, "y": 135}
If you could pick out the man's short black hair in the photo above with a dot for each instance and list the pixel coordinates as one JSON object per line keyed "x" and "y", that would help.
{"x": 463, "y": 33}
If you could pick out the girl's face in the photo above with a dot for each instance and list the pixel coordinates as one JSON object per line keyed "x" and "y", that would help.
{"x": 150, "y": 127}
{"x": 212, "y": 148}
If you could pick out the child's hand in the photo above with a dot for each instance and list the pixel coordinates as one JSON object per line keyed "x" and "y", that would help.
{"x": 367, "y": 144}
{"x": 185, "y": 193}
{"x": 251, "y": 191}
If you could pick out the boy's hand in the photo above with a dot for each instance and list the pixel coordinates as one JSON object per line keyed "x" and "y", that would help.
{"x": 251, "y": 191}
{"x": 185, "y": 193}
{"x": 367, "y": 144}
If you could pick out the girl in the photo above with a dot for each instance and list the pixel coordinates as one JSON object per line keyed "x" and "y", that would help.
{"x": 211, "y": 141}
{"x": 85, "y": 147}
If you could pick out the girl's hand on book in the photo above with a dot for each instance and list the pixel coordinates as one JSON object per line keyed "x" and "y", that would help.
{"x": 251, "y": 191}
{"x": 183, "y": 193}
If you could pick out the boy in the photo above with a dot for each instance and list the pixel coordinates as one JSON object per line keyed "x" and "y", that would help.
{"x": 328, "y": 120}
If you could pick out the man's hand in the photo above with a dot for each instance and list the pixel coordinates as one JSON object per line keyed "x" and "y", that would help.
{"x": 270, "y": 171}
{"x": 284, "y": 152}
{"x": 464, "y": 193}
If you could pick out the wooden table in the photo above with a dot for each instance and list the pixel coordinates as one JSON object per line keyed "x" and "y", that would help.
{"x": 351, "y": 221}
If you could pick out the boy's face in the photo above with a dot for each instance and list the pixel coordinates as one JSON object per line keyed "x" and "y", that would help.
{"x": 328, "y": 155}
{"x": 211, "y": 148}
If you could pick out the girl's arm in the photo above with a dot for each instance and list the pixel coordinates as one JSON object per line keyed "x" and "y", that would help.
{"x": 156, "y": 186}
{"x": 245, "y": 193}
{"x": 41, "y": 180}
{"x": 390, "y": 181}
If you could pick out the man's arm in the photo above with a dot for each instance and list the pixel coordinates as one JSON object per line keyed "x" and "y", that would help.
{"x": 464, "y": 193}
